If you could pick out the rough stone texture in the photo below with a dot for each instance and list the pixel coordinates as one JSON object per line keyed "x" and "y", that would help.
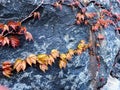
{"x": 53, "y": 32}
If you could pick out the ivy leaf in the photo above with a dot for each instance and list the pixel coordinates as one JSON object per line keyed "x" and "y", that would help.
{"x": 23, "y": 65}
{"x": 68, "y": 56}
{"x": 50, "y": 60}
{"x": 7, "y": 73}
{"x": 31, "y": 59}
{"x": 55, "y": 53}
{"x": 17, "y": 62}
{"x": 36, "y": 15}
{"x": 62, "y": 63}
{"x": 14, "y": 24}
{"x": 43, "y": 59}
{"x": 28, "y": 36}
{"x": 4, "y": 40}
{"x": 14, "y": 41}
{"x": 43, "y": 67}
{"x": 100, "y": 37}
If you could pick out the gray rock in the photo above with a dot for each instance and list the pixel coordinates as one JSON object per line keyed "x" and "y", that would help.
{"x": 52, "y": 32}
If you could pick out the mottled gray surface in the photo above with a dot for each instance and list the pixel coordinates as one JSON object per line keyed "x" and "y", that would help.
{"x": 53, "y": 32}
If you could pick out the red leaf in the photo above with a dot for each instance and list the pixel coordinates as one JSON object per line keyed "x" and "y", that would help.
{"x": 28, "y": 36}
{"x": 100, "y": 37}
{"x": 4, "y": 40}
{"x": 14, "y": 24}
{"x": 14, "y": 41}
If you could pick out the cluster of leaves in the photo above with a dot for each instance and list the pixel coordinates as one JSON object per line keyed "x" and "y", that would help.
{"x": 9, "y": 33}
{"x": 43, "y": 60}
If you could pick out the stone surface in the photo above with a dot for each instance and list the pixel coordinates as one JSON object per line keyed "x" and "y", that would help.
{"x": 52, "y": 32}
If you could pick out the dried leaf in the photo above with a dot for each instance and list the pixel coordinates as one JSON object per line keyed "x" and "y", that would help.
{"x": 28, "y": 36}
{"x": 17, "y": 62}
{"x": 50, "y": 60}
{"x": 31, "y": 59}
{"x": 68, "y": 56}
{"x": 36, "y": 15}
{"x": 23, "y": 65}
{"x": 6, "y": 63}
{"x": 100, "y": 37}
{"x": 14, "y": 24}
{"x": 14, "y": 41}
{"x": 43, "y": 59}
{"x": 71, "y": 52}
{"x": 43, "y": 67}
{"x": 19, "y": 67}
{"x": 90, "y": 15}
{"x": 6, "y": 28}
{"x": 63, "y": 56}
{"x": 62, "y": 63}
{"x": 55, "y": 53}
{"x": 7, "y": 73}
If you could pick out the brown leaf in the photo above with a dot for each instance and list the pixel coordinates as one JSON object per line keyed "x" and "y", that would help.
{"x": 28, "y": 36}
{"x": 14, "y": 41}
{"x": 43, "y": 67}
{"x": 62, "y": 63}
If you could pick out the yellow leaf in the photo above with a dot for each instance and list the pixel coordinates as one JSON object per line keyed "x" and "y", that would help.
{"x": 63, "y": 56}
{"x": 43, "y": 58}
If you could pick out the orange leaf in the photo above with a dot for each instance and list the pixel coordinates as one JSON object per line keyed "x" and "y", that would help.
{"x": 62, "y": 63}
{"x": 23, "y": 65}
{"x": 6, "y": 28}
{"x": 14, "y": 41}
{"x": 68, "y": 56}
{"x": 19, "y": 67}
{"x": 43, "y": 67}
{"x": 55, "y": 53}
{"x": 31, "y": 59}
{"x": 28, "y": 36}
{"x": 50, "y": 60}
{"x": 17, "y": 62}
